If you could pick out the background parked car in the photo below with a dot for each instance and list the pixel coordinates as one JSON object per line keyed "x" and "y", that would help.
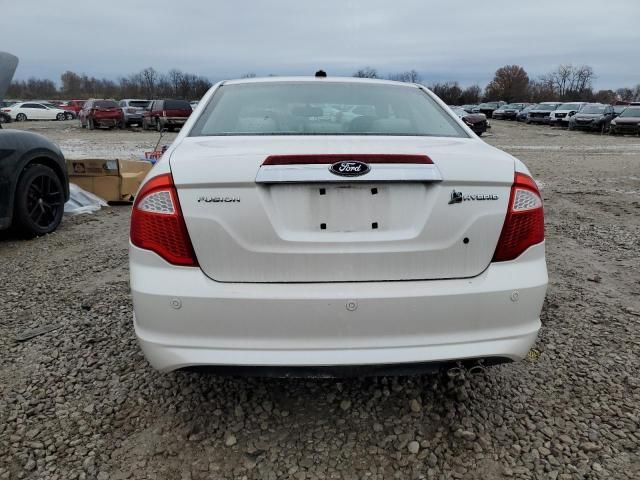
{"x": 4, "y": 116}
{"x": 133, "y": 110}
{"x": 522, "y": 115}
{"x": 469, "y": 108}
{"x": 627, "y": 122}
{"x": 476, "y": 121}
{"x": 542, "y": 112}
{"x": 594, "y": 117}
{"x": 100, "y": 113}
{"x": 488, "y": 108}
{"x": 166, "y": 113}
{"x": 23, "y": 111}
{"x": 72, "y": 106}
{"x": 560, "y": 116}
{"x": 508, "y": 111}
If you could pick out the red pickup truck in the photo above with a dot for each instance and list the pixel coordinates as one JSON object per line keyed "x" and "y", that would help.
{"x": 73, "y": 106}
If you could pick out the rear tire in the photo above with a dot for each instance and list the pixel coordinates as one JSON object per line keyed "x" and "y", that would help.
{"x": 21, "y": 117}
{"x": 39, "y": 201}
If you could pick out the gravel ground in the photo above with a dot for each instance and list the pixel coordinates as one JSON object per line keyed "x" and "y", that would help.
{"x": 81, "y": 401}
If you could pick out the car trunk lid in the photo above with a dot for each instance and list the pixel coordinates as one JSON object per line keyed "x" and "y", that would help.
{"x": 398, "y": 222}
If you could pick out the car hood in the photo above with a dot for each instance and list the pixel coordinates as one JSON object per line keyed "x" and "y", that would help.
{"x": 8, "y": 65}
{"x": 632, "y": 120}
{"x": 588, "y": 116}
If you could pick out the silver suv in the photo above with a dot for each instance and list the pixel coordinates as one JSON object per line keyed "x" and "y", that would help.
{"x": 133, "y": 110}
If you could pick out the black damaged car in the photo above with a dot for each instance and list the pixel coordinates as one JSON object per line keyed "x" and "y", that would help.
{"x": 34, "y": 185}
{"x": 595, "y": 117}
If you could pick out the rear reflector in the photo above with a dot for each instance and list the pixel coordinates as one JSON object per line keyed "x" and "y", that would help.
{"x": 333, "y": 158}
{"x": 157, "y": 223}
{"x": 524, "y": 223}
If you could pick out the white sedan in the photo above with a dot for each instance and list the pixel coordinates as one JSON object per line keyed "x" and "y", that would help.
{"x": 272, "y": 239}
{"x": 34, "y": 111}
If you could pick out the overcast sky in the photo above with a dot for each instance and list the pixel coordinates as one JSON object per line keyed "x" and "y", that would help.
{"x": 446, "y": 40}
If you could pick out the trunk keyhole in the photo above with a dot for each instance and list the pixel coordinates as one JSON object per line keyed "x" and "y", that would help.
{"x": 323, "y": 226}
{"x": 374, "y": 191}
{"x": 374, "y": 225}
{"x": 323, "y": 191}
{"x": 465, "y": 241}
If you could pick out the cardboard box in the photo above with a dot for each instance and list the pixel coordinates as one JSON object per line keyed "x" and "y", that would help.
{"x": 111, "y": 180}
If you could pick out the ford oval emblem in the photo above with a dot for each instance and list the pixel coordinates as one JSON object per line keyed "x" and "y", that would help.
{"x": 349, "y": 168}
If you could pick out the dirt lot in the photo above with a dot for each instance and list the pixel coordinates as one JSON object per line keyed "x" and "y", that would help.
{"x": 81, "y": 402}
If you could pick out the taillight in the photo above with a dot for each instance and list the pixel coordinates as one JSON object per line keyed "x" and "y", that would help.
{"x": 157, "y": 223}
{"x": 524, "y": 223}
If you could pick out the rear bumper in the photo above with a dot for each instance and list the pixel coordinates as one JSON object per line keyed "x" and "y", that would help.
{"x": 185, "y": 319}
{"x": 107, "y": 121}
{"x": 173, "y": 120}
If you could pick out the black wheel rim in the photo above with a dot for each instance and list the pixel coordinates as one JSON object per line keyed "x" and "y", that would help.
{"x": 44, "y": 201}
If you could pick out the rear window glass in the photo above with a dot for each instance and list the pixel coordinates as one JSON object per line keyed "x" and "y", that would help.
{"x": 177, "y": 105}
{"x": 332, "y": 108}
{"x": 139, "y": 103}
{"x": 105, "y": 104}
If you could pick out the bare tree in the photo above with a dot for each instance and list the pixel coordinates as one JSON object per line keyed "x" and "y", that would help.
{"x": 410, "y": 76}
{"x": 149, "y": 79}
{"x": 449, "y": 92}
{"x": 366, "y": 72}
{"x": 470, "y": 95}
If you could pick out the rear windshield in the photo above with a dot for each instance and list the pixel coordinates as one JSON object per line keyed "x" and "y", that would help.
{"x": 332, "y": 108}
{"x": 105, "y": 104}
{"x": 139, "y": 103}
{"x": 177, "y": 105}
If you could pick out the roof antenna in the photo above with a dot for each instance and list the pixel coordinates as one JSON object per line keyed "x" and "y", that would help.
{"x": 321, "y": 74}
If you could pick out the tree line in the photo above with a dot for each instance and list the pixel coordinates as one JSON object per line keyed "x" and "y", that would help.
{"x": 510, "y": 83}
{"x": 148, "y": 83}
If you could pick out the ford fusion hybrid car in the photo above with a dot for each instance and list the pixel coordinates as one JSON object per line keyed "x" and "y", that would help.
{"x": 273, "y": 238}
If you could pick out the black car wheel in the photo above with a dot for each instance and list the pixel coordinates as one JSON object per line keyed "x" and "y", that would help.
{"x": 39, "y": 201}
{"x": 21, "y": 117}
